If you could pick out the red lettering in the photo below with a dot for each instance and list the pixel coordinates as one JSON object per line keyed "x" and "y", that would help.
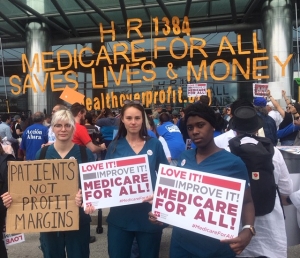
{"x": 232, "y": 209}
{"x": 221, "y": 222}
{"x": 200, "y": 215}
{"x": 210, "y": 218}
{"x": 127, "y": 180}
{"x": 159, "y": 202}
{"x": 135, "y": 179}
{"x": 144, "y": 178}
{"x": 221, "y": 206}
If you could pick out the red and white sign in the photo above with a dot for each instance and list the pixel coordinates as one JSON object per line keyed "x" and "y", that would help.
{"x": 201, "y": 202}
{"x": 197, "y": 89}
{"x": 260, "y": 89}
{"x": 12, "y": 239}
{"x": 115, "y": 182}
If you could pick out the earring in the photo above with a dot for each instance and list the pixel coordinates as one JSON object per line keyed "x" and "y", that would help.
{"x": 214, "y": 129}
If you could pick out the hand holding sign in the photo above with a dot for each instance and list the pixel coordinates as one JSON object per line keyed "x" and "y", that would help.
{"x": 239, "y": 243}
{"x": 7, "y": 200}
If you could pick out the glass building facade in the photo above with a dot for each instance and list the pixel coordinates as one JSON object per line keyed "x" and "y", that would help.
{"x": 108, "y": 51}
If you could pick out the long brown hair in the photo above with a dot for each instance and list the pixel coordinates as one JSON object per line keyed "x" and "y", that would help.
{"x": 122, "y": 132}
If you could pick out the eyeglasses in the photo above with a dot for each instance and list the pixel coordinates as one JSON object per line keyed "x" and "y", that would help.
{"x": 135, "y": 101}
{"x": 60, "y": 126}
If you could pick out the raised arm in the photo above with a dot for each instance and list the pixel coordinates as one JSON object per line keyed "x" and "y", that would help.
{"x": 286, "y": 99}
{"x": 276, "y": 104}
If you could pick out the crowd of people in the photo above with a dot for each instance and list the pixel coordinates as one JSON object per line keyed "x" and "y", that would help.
{"x": 133, "y": 231}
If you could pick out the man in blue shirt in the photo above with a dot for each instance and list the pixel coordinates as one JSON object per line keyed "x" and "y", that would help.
{"x": 34, "y": 136}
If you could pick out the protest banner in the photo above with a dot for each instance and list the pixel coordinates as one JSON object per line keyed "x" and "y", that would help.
{"x": 204, "y": 203}
{"x": 115, "y": 182}
{"x": 260, "y": 89}
{"x": 197, "y": 89}
{"x": 43, "y": 193}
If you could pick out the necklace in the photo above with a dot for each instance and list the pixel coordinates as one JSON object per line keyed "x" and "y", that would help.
{"x": 135, "y": 144}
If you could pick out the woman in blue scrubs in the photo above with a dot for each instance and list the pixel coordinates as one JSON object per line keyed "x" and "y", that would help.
{"x": 200, "y": 121}
{"x": 131, "y": 221}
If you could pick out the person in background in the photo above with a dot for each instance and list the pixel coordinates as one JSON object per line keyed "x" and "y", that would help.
{"x": 272, "y": 112}
{"x": 34, "y": 136}
{"x": 172, "y": 135}
{"x": 175, "y": 117}
{"x": 288, "y": 118}
{"x": 155, "y": 116}
{"x": 221, "y": 125}
{"x": 75, "y": 243}
{"x": 5, "y": 130}
{"x": 262, "y": 245}
{"x": 17, "y": 134}
{"x": 181, "y": 126}
{"x": 207, "y": 157}
{"x": 161, "y": 139}
{"x": 108, "y": 124}
{"x": 228, "y": 113}
{"x": 269, "y": 125}
{"x": 81, "y": 136}
{"x": 222, "y": 140}
{"x": 204, "y": 100}
{"x": 47, "y": 121}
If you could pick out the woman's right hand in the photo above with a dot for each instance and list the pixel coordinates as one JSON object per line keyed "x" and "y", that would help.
{"x": 153, "y": 219}
{"x": 7, "y": 199}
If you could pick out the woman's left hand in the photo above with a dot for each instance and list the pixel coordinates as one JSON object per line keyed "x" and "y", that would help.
{"x": 239, "y": 243}
{"x": 153, "y": 219}
{"x": 78, "y": 198}
{"x": 89, "y": 209}
{"x": 149, "y": 199}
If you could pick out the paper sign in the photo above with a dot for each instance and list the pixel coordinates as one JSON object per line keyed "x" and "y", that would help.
{"x": 115, "y": 182}
{"x": 71, "y": 96}
{"x": 197, "y": 89}
{"x": 276, "y": 89}
{"x": 12, "y": 239}
{"x": 43, "y": 193}
{"x": 201, "y": 202}
{"x": 260, "y": 89}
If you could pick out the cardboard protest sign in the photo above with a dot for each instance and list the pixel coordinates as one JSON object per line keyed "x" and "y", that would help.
{"x": 43, "y": 193}
{"x": 204, "y": 203}
{"x": 197, "y": 89}
{"x": 260, "y": 89}
{"x": 115, "y": 182}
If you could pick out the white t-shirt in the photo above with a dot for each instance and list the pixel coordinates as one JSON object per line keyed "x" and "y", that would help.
{"x": 276, "y": 116}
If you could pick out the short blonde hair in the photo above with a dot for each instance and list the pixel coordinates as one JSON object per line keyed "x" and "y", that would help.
{"x": 65, "y": 116}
